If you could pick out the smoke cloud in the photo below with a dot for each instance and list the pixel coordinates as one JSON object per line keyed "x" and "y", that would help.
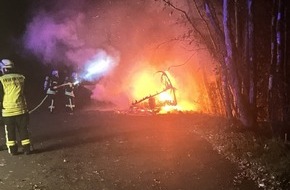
{"x": 134, "y": 35}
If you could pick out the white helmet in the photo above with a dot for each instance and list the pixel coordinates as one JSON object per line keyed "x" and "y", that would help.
{"x": 74, "y": 75}
{"x": 6, "y": 64}
{"x": 54, "y": 73}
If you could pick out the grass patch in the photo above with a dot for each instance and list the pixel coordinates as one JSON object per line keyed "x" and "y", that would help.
{"x": 261, "y": 157}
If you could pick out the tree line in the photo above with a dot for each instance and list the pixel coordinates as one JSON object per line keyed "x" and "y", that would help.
{"x": 248, "y": 39}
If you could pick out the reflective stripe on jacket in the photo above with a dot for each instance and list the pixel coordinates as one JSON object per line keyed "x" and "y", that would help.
{"x": 51, "y": 92}
{"x": 14, "y": 102}
{"x": 69, "y": 93}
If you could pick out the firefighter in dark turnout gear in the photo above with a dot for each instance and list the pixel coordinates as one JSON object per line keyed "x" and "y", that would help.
{"x": 50, "y": 89}
{"x": 14, "y": 108}
{"x": 72, "y": 82}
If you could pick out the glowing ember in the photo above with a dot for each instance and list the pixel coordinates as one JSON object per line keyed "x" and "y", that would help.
{"x": 164, "y": 98}
{"x": 168, "y": 109}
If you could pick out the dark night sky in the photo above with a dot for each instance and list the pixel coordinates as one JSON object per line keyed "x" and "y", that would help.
{"x": 12, "y": 20}
{"x": 13, "y": 16}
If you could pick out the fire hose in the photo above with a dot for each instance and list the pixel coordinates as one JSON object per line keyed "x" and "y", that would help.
{"x": 56, "y": 87}
{"x": 30, "y": 111}
{"x": 64, "y": 84}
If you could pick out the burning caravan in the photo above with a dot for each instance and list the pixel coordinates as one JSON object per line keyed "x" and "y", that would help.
{"x": 163, "y": 101}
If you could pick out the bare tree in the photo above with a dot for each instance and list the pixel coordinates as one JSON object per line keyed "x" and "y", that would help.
{"x": 224, "y": 45}
{"x": 278, "y": 87}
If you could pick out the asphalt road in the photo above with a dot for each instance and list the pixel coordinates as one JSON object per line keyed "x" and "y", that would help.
{"x": 94, "y": 150}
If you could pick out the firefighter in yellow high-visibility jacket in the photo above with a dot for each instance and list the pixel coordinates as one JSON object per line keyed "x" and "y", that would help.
{"x": 14, "y": 108}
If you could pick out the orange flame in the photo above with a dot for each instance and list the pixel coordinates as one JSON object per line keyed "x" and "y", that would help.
{"x": 146, "y": 84}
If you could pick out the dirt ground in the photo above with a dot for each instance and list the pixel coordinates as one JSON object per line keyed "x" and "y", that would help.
{"x": 94, "y": 150}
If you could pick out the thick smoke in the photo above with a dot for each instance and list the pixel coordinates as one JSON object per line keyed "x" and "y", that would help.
{"x": 133, "y": 35}
{"x": 55, "y": 36}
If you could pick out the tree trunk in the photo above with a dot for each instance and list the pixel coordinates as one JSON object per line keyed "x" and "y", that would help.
{"x": 244, "y": 114}
{"x": 286, "y": 113}
{"x": 251, "y": 64}
{"x": 271, "y": 91}
{"x": 277, "y": 89}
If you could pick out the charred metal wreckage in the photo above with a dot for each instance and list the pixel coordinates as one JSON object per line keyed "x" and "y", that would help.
{"x": 149, "y": 104}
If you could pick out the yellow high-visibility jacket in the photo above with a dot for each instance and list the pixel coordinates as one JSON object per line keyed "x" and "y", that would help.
{"x": 13, "y": 99}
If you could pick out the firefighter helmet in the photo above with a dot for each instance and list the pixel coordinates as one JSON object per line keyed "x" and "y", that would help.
{"x": 54, "y": 73}
{"x": 74, "y": 75}
{"x": 6, "y": 64}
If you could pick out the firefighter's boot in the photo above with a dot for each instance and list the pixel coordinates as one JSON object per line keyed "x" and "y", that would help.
{"x": 26, "y": 149}
{"x": 13, "y": 150}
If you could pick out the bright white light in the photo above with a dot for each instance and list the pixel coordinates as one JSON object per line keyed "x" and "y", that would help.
{"x": 76, "y": 82}
{"x": 99, "y": 66}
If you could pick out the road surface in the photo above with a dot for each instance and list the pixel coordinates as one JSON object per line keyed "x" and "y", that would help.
{"x": 94, "y": 150}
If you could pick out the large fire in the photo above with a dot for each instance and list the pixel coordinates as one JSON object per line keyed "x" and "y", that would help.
{"x": 158, "y": 93}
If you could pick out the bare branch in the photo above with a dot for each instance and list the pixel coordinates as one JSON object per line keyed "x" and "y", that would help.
{"x": 207, "y": 26}
{"x": 167, "y": 2}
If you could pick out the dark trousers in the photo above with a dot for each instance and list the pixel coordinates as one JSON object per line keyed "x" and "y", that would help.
{"x": 70, "y": 103}
{"x": 14, "y": 124}
{"x": 51, "y": 102}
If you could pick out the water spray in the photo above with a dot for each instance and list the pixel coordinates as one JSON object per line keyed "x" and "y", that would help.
{"x": 95, "y": 68}
{"x": 100, "y": 65}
